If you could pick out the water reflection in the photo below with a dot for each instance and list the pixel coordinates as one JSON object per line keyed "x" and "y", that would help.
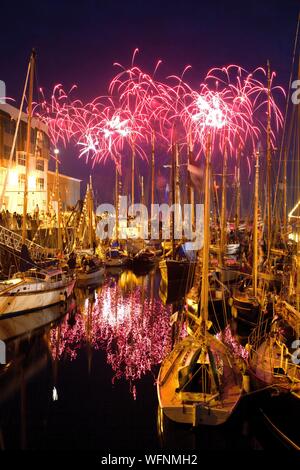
{"x": 69, "y": 372}
{"x": 124, "y": 318}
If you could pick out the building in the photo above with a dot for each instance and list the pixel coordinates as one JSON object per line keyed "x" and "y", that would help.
{"x": 40, "y": 190}
{"x": 38, "y": 161}
{"x": 69, "y": 189}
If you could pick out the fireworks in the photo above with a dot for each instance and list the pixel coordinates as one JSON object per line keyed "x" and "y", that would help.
{"x": 231, "y": 104}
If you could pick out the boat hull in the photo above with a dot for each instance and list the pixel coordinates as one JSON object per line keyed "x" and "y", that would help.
{"x": 18, "y": 302}
{"x": 186, "y": 407}
{"x": 85, "y": 279}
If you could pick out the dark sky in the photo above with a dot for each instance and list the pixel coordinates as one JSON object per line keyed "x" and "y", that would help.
{"x": 77, "y": 42}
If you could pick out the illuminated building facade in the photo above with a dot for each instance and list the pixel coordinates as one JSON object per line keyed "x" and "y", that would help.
{"x": 41, "y": 182}
{"x": 38, "y": 161}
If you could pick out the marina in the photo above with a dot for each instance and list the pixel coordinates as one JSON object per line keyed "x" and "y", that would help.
{"x": 150, "y": 248}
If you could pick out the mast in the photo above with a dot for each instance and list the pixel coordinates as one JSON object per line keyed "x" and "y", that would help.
{"x": 90, "y": 212}
{"x": 152, "y": 174}
{"x": 177, "y": 185}
{"x": 59, "y": 235}
{"x": 255, "y": 226}
{"x": 285, "y": 220}
{"x": 223, "y": 207}
{"x": 269, "y": 189}
{"x": 173, "y": 175}
{"x": 205, "y": 265}
{"x": 238, "y": 190}
{"x": 191, "y": 194}
{"x": 132, "y": 173}
{"x": 28, "y": 144}
{"x": 117, "y": 201}
{"x": 297, "y": 188}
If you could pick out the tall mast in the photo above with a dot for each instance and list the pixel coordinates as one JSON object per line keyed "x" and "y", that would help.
{"x": 223, "y": 206}
{"x": 191, "y": 194}
{"x": 90, "y": 212}
{"x": 59, "y": 235}
{"x": 177, "y": 185}
{"x": 285, "y": 220}
{"x": 117, "y": 201}
{"x": 28, "y": 143}
{"x": 238, "y": 190}
{"x": 132, "y": 172}
{"x": 255, "y": 226}
{"x": 298, "y": 188}
{"x": 205, "y": 265}
{"x": 173, "y": 175}
{"x": 269, "y": 190}
{"x": 152, "y": 174}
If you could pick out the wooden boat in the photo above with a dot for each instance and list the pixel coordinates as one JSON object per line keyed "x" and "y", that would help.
{"x": 87, "y": 276}
{"x": 176, "y": 270}
{"x": 272, "y": 358}
{"x": 144, "y": 259}
{"x": 199, "y": 382}
{"x": 115, "y": 258}
{"x": 34, "y": 289}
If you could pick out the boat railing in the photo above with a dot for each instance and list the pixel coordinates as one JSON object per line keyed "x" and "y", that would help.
{"x": 11, "y": 287}
{"x": 14, "y": 241}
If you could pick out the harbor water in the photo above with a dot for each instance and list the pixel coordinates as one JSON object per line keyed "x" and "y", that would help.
{"x": 83, "y": 376}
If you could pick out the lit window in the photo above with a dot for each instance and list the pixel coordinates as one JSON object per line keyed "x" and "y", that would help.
{"x": 22, "y": 158}
{"x": 40, "y": 165}
{"x": 21, "y": 181}
{"x": 40, "y": 184}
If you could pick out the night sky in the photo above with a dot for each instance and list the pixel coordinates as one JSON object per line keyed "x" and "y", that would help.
{"x": 78, "y": 42}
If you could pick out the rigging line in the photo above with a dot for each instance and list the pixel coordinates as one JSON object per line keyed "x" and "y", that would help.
{"x": 287, "y": 107}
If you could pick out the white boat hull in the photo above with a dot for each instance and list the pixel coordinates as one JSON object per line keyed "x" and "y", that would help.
{"x": 17, "y": 302}
{"x": 84, "y": 278}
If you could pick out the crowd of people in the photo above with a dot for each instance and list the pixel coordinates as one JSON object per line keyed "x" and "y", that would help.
{"x": 34, "y": 220}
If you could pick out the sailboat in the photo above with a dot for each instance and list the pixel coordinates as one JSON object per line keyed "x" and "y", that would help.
{"x": 91, "y": 269}
{"x": 200, "y": 381}
{"x": 274, "y": 354}
{"x": 34, "y": 288}
{"x": 115, "y": 257}
{"x": 249, "y": 302}
{"x": 176, "y": 268}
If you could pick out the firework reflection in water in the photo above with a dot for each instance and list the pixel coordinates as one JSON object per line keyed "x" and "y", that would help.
{"x": 132, "y": 328}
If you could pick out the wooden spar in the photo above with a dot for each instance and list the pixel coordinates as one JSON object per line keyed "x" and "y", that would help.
{"x": 90, "y": 213}
{"x": 59, "y": 235}
{"x": 238, "y": 190}
{"x": 28, "y": 144}
{"x": 177, "y": 187}
{"x": 117, "y": 202}
{"x": 152, "y": 175}
{"x": 285, "y": 219}
{"x": 143, "y": 204}
{"x": 223, "y": 207}
{"x": 173, "y": 174}
{"x": 255, "y": 227}
{"x": 205, "y": 262}
{"x": 269, "y": 190}
{"x": 298, "y": 187}
{"x": 132, "y": 173}
{"x": 191, "y": 194}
